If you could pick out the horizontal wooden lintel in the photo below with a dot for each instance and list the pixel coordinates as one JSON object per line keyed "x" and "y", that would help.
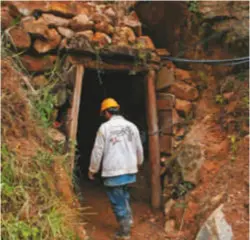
{"x": 89, "y": 63}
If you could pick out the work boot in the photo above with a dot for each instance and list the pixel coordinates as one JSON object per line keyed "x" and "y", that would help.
{"x": 124, "y": 231}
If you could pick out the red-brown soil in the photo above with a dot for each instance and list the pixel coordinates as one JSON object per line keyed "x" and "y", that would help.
{"x": 102, "y": 224}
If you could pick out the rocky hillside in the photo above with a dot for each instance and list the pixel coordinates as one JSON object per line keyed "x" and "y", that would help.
{"x": 212, "y": 142}
{"x": 206, "y": 185}
{"x": 37, "y": 197}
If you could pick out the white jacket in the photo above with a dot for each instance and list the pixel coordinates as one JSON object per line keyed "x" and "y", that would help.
{"x": 118, "y": 146}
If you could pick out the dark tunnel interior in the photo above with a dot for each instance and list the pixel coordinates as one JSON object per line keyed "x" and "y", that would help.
{"x": 128, "y": 90}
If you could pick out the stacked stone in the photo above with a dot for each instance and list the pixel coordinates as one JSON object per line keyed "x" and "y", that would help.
{"x": 75, "y": 26}
{"x": 179, "y": 83}
{"x": 43, "y": 29}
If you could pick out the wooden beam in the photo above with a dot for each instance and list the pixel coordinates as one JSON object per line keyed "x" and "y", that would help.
{"x": 154, "y": 146}
{"x": 73, "y": 121}
{"x": 88, "y": 62}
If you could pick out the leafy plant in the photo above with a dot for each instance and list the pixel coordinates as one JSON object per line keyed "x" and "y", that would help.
{"x": 219, "y": 99}
{"x": 17, "y": 229}
{"x": 233, "y": 141}
{"x": 193, "y": 6}
{"x": 181, "y": 189}
{"x": 180, "y": 205}
{"x": 245, "y": 101}
{"x": 44, "y": 106}
{"x": 16, "y": 20}
{"x": 7, "y": 177}
{"x": 44, "y": 157}
{"x": 55, "y": 222}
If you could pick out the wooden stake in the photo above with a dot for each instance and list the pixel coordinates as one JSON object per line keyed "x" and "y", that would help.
{"x": 154, "y": 146}
{"x": 73, "y": 121}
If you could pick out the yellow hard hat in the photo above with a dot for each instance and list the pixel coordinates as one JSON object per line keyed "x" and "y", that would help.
{"x": 109, "y": 103}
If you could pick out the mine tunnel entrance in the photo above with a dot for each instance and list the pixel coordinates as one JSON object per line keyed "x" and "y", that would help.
{"x": 130, "y": 92}
{"x": 127, "y": 89}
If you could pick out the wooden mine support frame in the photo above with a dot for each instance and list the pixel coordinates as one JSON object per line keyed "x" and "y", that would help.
{"x": 152, "y": 119}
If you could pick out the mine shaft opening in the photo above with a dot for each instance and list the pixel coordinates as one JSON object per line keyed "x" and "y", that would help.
{"x": 129, "y": 91}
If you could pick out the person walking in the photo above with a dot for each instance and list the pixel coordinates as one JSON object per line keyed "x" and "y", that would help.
{"x": 118, "y": 147}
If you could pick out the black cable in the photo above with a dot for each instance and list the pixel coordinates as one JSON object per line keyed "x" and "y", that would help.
{"x": 235, "y": 63}
{"x": 212, "y": 62}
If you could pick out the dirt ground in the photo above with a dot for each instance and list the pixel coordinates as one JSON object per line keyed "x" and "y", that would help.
{"x": 102, "y": 224}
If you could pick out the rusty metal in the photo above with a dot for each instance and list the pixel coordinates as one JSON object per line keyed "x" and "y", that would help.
{"x": 154, "y": 150}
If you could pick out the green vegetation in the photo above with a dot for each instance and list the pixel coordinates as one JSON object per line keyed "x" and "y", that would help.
{"x": 16, "y": 21}
{"x": 193, "y": 6}
{"x": 32, "y": 206}
{"x": 243, "y": 76}
{"x": 233, "y": 143}
{"x": 31, "y": 209}
{"x": 219, "y": 99}
{"x": 180, "y": 205}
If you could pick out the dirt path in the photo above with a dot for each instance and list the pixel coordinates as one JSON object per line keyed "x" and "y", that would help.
{"x": 148, "y": 225}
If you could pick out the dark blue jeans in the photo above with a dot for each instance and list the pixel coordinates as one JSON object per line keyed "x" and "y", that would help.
{"x": 119, "y": 197}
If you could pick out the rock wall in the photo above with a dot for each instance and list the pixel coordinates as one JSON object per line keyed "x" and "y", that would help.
{"x": 184, "y": 28}
{"x": 45, "y": 34}
{"x": 210, "y": 117}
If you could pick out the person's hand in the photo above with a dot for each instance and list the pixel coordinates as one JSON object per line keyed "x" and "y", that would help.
{"x": 91, "y": 175}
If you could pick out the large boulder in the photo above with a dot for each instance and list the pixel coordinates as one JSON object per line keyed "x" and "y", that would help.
{"x": 123, "y": 36}
{"x": 183, "y": 75}
{"x": 61, "y": 8}
{"x": 216, "y": 227}
{"x": 38, "y": 28}
{"x": 26, "y": 8}
{"x": 81, "y": 22}
{"x": 184, "y": 91}
{"x": 190, "y": 159}
{"x": 38, "y": 64}
{"x": 165, "y": 77}
{"x": 18, "y": 37}
{"x": 52, "y": 42}
{"x": 183, "y": 106}
{"x": 66, "y": 32}
{"x": 55, "y": 21}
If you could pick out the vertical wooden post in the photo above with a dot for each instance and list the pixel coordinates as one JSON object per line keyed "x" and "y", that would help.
{"x": 154, "y": 147}
{"x": 73, "y": 122}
